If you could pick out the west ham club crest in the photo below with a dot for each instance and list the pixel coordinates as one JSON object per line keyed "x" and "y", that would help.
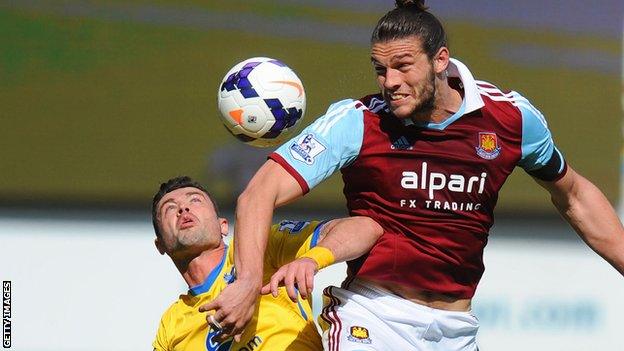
{"x": 488, "y": 146}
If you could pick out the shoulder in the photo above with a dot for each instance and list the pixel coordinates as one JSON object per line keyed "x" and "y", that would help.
{"x": 342, "y": 119}
{"x": 295, "y": 227}
{"x": 169, "y": 316}
{"x": 523, "y": 106}
{"x": 374, "y": 103}
{"x": 494, "y": 96}
{"x": 507, "y": 106}
{"x": 289, "y": 226}
{"x": 345, "y": 107}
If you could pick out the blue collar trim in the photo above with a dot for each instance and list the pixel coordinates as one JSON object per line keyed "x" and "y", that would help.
{"x": 200, "y": 289}
{"x": 446, "y": 122}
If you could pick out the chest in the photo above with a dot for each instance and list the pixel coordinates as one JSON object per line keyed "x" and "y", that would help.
{"x": 473, "y": 155}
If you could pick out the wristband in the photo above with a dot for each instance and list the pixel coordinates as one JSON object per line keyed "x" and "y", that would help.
{"x": 321, "y": 255}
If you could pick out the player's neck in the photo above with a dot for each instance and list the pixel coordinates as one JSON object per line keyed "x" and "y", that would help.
{"x": 196, "y": 270}
{"x": 447, "y": 102}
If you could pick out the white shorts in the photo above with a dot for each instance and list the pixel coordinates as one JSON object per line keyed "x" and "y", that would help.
{"x": 364, "y": 317}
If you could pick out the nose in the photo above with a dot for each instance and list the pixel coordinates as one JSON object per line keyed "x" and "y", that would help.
{"x": 392, "y": 79}
{"x": 182, "y": 210}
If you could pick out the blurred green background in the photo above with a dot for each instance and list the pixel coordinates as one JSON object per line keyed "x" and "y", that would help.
{"x": 100, "y": 101}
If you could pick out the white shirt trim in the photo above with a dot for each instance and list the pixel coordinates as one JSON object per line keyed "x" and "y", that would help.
{"x": 472, "y": 98}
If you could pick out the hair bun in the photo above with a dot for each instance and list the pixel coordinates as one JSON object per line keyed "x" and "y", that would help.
{"x": 419, "y": 4}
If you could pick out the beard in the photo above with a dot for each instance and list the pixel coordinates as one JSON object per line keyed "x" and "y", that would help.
{"x": 426, "y": 94}
{"x": 190, "y": 237}
{"x": 423, "y": 95}
{"x": 191, "y": 242}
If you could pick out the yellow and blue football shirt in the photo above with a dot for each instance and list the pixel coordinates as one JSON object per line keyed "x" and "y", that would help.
{"x": 277, "y": 324}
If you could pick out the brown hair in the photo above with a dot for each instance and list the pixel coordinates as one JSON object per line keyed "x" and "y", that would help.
{"x": 407, "y": 3}
{"x": 174, "y": 184}
{"x": 411, "y": 18}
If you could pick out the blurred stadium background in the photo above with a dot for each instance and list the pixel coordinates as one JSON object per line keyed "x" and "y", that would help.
{"x": 100, "y": 101}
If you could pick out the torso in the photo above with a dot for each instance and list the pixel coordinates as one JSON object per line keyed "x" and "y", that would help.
{"x": 277, "y": 323}
{"x": 424, "y": 298}
{"x": 432, "y": 187}
{"x": 434, "y": 192}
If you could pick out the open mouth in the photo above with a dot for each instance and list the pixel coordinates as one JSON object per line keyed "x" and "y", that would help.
{"x": 397, "y": 96}
{"x": 186, "y": 221}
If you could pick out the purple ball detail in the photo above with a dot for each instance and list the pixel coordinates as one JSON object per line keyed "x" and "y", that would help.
{"x": 278, "y": 62}
{"x": 284, "y": 118}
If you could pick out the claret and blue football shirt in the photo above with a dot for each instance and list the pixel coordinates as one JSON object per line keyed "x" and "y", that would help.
{"x": 432, "y": 186}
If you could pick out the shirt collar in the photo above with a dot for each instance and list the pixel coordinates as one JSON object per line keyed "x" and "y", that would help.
{"x": 212, "y": 277}
{"x": 472, "y": 99}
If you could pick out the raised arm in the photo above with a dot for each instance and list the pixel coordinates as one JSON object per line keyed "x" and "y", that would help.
{"x": 270, "y": 187}
{"x": 321, "y": 149}
{"x": 591, "y": 215}
{"x": 340, "y": 240}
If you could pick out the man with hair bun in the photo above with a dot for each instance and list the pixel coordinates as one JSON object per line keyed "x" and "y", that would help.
{"x": 425, "y": 158}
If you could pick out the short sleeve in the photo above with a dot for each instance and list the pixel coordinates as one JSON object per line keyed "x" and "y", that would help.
{"x": 161, "y": 342}
{"x": 291, "y": 239}
{"x": 539, "y": 154}
{"x": 331, "y": 142}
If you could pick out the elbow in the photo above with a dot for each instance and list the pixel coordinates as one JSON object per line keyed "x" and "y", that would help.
{"x": 245, "y": 199}
{"x": 370, "y": 226}
{"x": 256, "y": 196}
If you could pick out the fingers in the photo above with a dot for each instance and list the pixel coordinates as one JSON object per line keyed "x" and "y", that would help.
{"x": 297, "y": 277}
{"x": 212, "y": 305}
{"x": 215, "y": 317}
{"x": 214, "y": 323}
{"x": 302, "y": 283}
{"x": 238, "y": 337}
{"x": 304, "y": 277}
{"x": 225, "y": 327}
{"x": 289, "y": 283}
{"x": 305, "y": 280}
{"x": 265, "y": 290}
{"x": 310, "y": 281}
{"x": 231, "y": 328}
{"x": 232, "y": 310}
{"x": 276, "y": 279}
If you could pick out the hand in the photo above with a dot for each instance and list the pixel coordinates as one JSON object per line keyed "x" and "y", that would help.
{"x": 233, "y": 308}
{"x": 297, "y": 274}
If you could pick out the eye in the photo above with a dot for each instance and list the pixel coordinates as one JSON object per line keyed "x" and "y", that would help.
{"x": 169, "y": 207}
{"x": 196, "y": 199}
{"x": 404, "y": 67}
{"x": 380, "y": 70}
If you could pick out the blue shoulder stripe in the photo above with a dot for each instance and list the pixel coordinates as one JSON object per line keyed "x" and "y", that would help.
{"x": 537, "y": 144}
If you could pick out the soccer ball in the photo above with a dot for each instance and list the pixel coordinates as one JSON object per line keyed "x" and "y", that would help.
{"x": 261, "y": 100}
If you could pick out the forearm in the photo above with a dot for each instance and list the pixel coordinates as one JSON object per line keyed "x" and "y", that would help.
{"x": 270, "y": 187}
{"x": 350, "y": 238}
{"x": 340, "y": 240}
{"x": 253, "y": 220}
{"x": 594, "y": 219}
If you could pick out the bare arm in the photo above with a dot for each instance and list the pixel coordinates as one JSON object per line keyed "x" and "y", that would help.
{"x": 347, "y": 239}
{"x": 591, "y": 215}
{"x": 270, "y": 187}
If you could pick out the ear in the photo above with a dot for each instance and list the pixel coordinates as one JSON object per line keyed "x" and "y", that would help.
{"x": 441, "y": 60}
{"x": 159, "y": 246}
{"x": 223, "y": 223}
